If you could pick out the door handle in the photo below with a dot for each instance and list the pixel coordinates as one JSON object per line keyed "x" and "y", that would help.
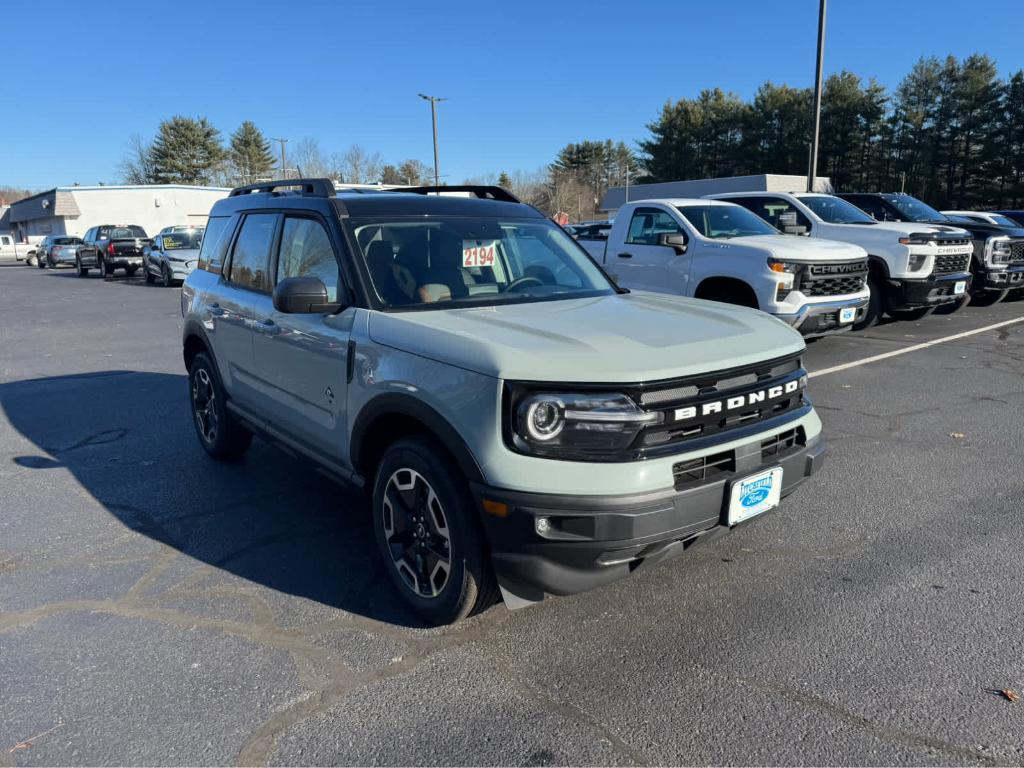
{"x": 216, "y": 310}
{"x": 267, "y": 326}
{"x": 625, "y": 255}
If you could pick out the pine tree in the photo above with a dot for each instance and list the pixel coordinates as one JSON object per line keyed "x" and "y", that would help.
{"x": 186, "y": 151}
{"x": 504, "y": 181}
{"x": 249, "y": 153}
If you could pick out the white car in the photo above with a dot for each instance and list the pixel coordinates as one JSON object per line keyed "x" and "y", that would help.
{"x": 173, "y": 255}
{"x": 914, "y": 267}
{"x": 722, "y": 252}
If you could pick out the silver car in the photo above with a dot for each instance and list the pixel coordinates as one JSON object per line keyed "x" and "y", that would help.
{"x": 62, "y": 251}
{"x": 173, "y": 255}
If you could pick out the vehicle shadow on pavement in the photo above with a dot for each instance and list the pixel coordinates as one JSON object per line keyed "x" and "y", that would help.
{"x": 127, "y": 438}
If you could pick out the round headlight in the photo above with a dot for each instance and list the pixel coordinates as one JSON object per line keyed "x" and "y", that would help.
{"x": 544, "y": 419}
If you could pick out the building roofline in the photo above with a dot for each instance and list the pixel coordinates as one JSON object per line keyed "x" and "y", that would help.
{"x": 90, "y": 188}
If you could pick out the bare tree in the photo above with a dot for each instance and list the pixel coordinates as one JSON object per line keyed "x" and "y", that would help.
{"x": 360, "y": 167}
{"x": 311, "y": 161}
{"x": 137, "y": 165}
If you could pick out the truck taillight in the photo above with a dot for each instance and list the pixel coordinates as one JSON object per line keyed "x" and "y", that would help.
{"x": 110, "y": 248}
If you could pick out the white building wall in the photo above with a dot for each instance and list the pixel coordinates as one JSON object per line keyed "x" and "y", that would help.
{"x": 151, "y": 208}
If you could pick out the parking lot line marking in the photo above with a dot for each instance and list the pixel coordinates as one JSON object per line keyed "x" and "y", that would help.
{"x": 914, "y": 348}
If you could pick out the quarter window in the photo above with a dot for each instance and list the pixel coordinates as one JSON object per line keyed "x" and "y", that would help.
{"x": 252, "y": 251}
{"x": 648, "y": 223}
{"x": 306, "y": 252}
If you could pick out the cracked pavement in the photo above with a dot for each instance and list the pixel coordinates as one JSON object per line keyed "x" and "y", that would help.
{"x": 157, "y": 608}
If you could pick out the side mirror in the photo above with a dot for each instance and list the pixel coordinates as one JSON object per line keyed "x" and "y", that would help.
{"x": 676, "y": 242}
{"x": 302, "y": 295}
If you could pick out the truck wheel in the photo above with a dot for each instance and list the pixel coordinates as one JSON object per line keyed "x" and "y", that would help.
{"x": 874, "y": 310}
{"x": 32, "y": 260}
{"x": 219, "y": 433}
{"x": 428, "y": 533}
{"x": 82, "y": 271}
{"x": 130, "y": 271}
{"x": 912, "y": 314}
{"x": 988, "y": 298}
{"x": 954, "y": 306}
{"x": 41, "y": 263}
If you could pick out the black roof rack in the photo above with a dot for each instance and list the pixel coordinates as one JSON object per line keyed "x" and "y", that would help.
{"x": 482, "y": 191}
{"x": 309, "y": 187}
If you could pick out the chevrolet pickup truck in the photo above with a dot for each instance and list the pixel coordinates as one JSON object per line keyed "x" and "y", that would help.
{"x": 914, "y": 268}
{"x": 722, "y": 252}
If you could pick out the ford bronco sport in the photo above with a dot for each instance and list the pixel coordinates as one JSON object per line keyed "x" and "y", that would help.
{"x": 520, "y": 423}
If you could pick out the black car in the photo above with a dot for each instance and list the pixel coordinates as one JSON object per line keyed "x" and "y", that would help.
{"x": 1017, "y": 216}
{"x": 109, "y": 247}
{"x": 998, "y": 260}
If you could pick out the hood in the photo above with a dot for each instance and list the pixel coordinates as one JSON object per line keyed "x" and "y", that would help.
{"x": 911, "y": 227}
{"x": 185, "y": 254}
{"x": 623, "y": 338}
{"x": 981, "y": 229}
{"x": 789, "y": 247}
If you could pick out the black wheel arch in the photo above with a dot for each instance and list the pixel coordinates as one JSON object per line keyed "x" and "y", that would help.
{"x": 391, "y": 416}
{"x": 723, "y": 283}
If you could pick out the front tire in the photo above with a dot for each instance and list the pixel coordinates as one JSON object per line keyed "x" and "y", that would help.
{"x": 32, "y": 260}
{"x": 82, "y": 271}
{"x": 219, "y": 432}
{"x": 428, "y": 533}
{"x": 988, "y": 298}
{"x": 874, "y": 310}
{"x": 165, "y": 276}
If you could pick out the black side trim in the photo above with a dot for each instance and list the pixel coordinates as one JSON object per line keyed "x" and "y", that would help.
{"x": 394, "y": 403}
{"x": 350, "y": 362}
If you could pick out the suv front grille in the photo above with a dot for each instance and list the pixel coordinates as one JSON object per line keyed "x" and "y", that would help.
{"x": 782, "y": 444}
{"x": 703, "y": 470}
{"x": 949, "y": 263}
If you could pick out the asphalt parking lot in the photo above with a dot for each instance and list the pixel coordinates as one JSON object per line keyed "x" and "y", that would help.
{"x": 157, "y": 608}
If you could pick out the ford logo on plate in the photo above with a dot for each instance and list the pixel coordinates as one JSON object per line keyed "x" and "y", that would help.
{"x": 754, "y": 497}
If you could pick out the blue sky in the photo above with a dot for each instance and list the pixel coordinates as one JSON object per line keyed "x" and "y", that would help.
{"x": 523, "y": 78}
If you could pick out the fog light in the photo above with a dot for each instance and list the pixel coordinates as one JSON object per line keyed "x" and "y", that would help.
{"x": 543, "y": 525}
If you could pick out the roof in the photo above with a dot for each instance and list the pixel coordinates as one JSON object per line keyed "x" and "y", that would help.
{"x": 615, "y": 197}
{"x": 60, "y": 201}
{"x": 678, "y": 201}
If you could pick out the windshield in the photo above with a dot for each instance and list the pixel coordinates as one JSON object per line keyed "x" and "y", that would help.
{"x": 833, "y": 210}
{"x": 912, "y": 209}
{"x": 446, "y": 261}
{"x": 725, "y": 221}
{"x": 1002, "y": 221}
{"x": 188, "y": 239}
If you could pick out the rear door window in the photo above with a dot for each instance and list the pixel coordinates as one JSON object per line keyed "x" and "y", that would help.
{"x": 251, "y": 255}
{"x": 214, "y": 244}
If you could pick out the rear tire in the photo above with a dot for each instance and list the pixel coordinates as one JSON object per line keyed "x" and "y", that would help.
{"x": 220, "y": 434}
{"x": 988, "y": 298}
{"x": 429, "y": 534}
{"x": 131, "y": 271}
{"x": 874, "y": 310}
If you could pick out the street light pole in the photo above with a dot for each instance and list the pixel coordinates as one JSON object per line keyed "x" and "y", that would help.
{"x": 284, "y": 168}
{"x": 433, "y": 118}
{"x": 813, "y": 170}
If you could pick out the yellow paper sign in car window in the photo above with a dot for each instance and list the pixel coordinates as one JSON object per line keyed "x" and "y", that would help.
{"x": 170, "y": 243}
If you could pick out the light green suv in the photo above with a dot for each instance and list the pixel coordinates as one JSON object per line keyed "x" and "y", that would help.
{"x": 519, "y": 422}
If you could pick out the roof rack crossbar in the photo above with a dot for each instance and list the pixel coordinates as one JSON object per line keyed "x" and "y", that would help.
{"x": 309, "y": 187}
{"x": 484, "y": 192}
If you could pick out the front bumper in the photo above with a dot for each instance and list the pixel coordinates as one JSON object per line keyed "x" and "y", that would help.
{"x": 1011, "y": 278}
{"x": 594, "y": 540}
{"x": 931, "y": 291}
{"x": 822, "y": 319}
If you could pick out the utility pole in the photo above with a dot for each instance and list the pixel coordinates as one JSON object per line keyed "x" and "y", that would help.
{"x": 813, "y": 170}
{"x": 433, "y": 117}
{"x": 284, "y": 168}
{"x": 627, "y": 181}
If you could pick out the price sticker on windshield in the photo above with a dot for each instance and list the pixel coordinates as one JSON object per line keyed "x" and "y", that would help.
{"x": 478, "y": 253}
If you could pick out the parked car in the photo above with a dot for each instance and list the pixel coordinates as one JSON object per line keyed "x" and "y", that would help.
{"x": 1017, "y": 216}
{"x": 56, "y": 250}
{"x": 518, "y": 421}
{"x": 592, "y": 231}
{"x": 997, "y": 262}
{"x": 109, "y": 247}
{"x": 996, "y": 219}
{"x": 722, "y": 252}
{"x": 11, "y": 248}
{"x": 173, "y": 254}
{"x": 913, "y": 268}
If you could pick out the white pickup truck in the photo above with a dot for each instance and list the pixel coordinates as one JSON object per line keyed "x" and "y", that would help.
{"x": 914, "y": 267}
{"x": 722, "y": 252}
{"x": 10, "y": 249}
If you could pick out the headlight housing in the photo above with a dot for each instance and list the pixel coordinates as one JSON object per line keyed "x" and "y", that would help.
{"x": 916, "y": 261}
{"x": 775, "y": 265}
{"x": 997, "y": 250}
{"x": 575, "y": 425}
{"x": 917, "y": 238}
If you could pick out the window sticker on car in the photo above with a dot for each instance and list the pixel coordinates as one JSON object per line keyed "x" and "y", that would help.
{"x": 478, "y": 253}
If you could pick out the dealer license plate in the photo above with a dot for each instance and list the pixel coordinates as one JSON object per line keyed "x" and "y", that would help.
{"x": 847, "y": 315}
{"x": 959, "y": 287}
{"x": 755, "y": 494}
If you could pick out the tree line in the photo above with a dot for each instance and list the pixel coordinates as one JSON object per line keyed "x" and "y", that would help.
{"x": 190, "y": 150}
{"x": 951, "y": 133}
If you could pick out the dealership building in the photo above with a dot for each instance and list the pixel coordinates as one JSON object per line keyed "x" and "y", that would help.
{"x": 73, "y": 210}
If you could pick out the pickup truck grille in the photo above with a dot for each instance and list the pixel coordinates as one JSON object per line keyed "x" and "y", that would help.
{"x": 833, "y": 279}
{"x": 1017, "y": 251}
{"x": 947, "y": 264}
{"x": 710, "y": 405}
